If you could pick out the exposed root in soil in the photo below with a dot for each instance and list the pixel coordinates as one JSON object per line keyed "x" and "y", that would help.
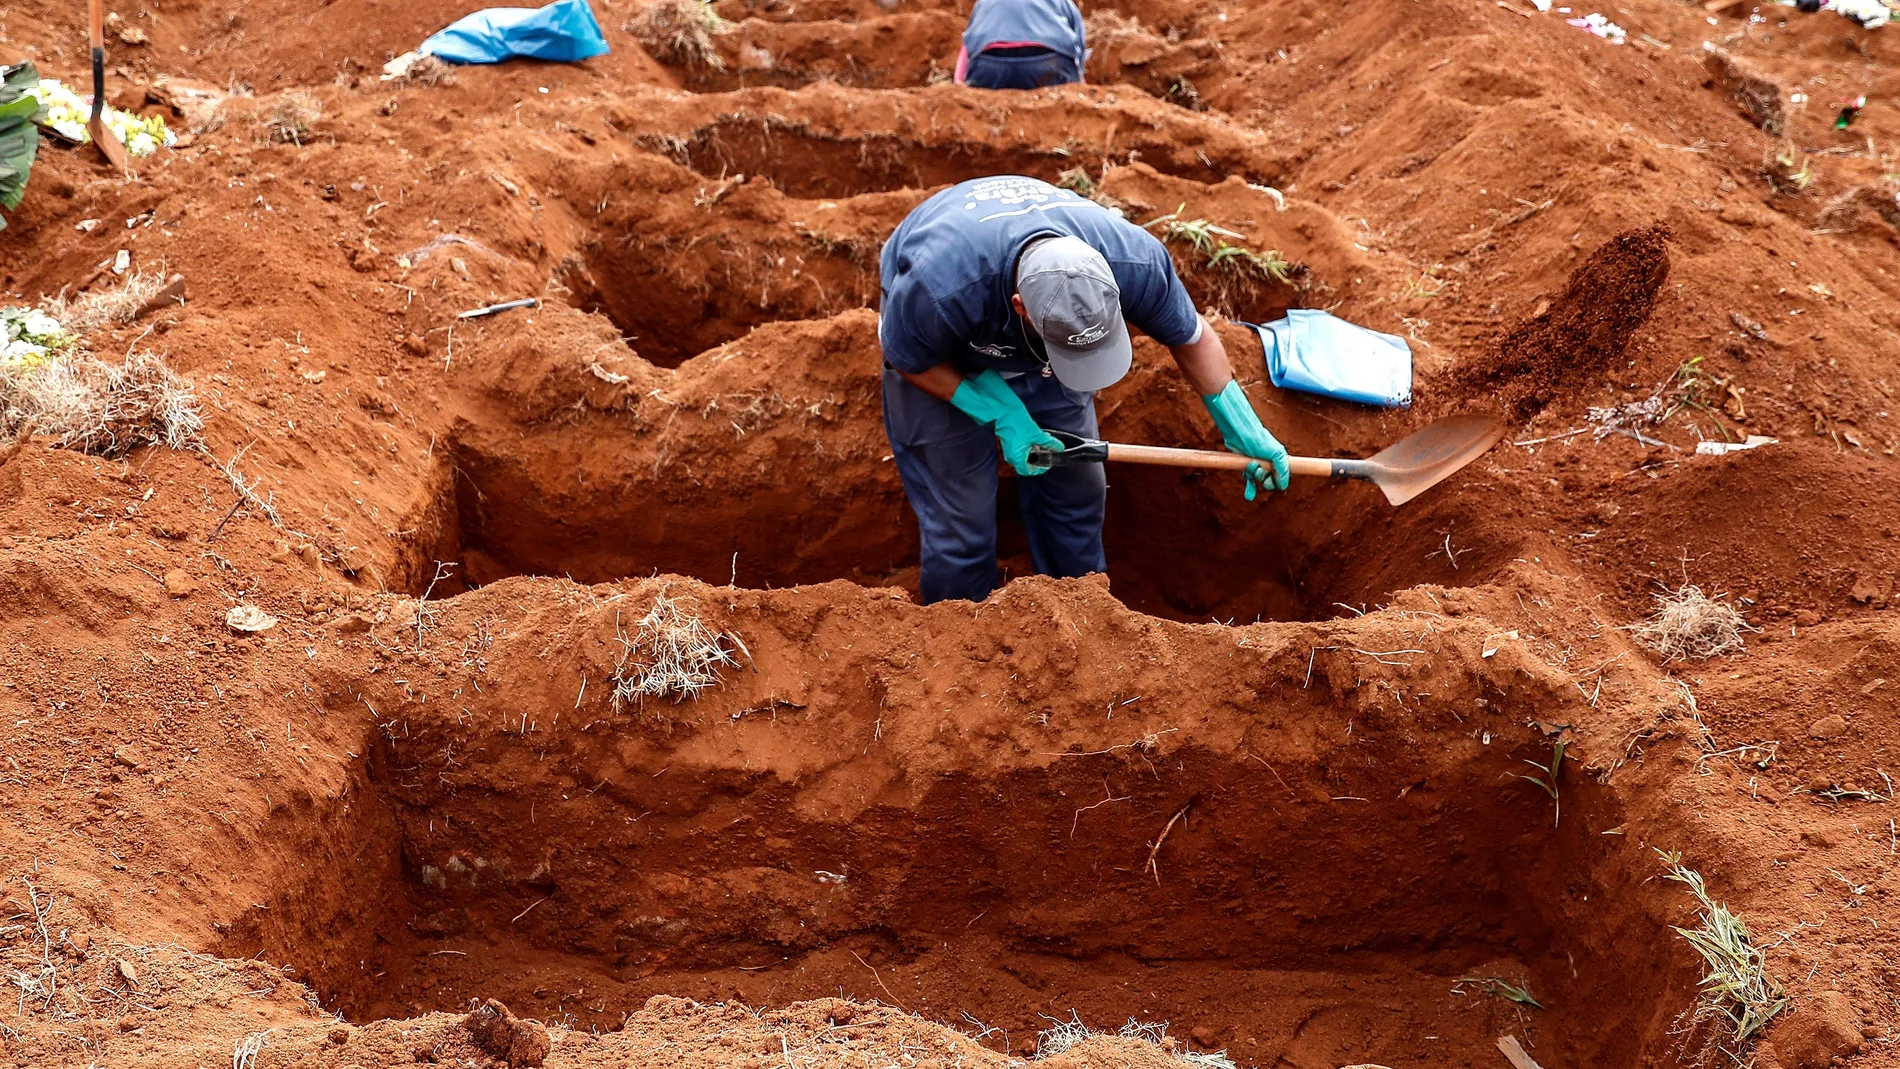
{"x": 671, "y": 654}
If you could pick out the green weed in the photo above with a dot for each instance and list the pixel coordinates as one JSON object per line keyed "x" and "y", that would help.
{"x": 1229, "y": 258}
{"x": 1737, "y": 988}
{"x": 1077, "y": 178}
{"x": 1548, "y": 781}
{"x": 1503, "y": 989}
{"x": 1788, "y": 171}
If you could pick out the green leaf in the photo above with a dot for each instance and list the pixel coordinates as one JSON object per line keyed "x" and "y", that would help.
{"x": 19, "y": 138}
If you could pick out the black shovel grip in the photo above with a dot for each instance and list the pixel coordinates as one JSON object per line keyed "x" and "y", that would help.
{"x": 98, "y": 82}
{"x": 1075, "y": 450}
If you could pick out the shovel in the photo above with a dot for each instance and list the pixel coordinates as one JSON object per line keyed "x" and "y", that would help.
{"x": 109, "y": 144}
{"x": 1403, "y": 471}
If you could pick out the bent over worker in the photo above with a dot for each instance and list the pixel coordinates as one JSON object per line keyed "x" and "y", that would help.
{"x": 1005, "y": 307}
{"x": 1022, "y": 44}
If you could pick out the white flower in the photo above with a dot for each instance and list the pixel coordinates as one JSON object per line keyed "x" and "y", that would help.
{"x": 21, "y": 354}
{"x": 41, "y": 325}
{"x": 67, "y": 113}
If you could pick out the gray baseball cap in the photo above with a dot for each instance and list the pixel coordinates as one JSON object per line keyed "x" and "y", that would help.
{"x": 1075, "y": 306}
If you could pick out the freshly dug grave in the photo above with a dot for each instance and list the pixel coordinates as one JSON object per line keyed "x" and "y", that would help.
{"x": 691, "y": 263}
{"x": 828, "y": 141}
{"x": 1268, "y": 856}
{"x": 783, "y": 425}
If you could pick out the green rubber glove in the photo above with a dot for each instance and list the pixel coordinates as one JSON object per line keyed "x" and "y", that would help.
{"x": 988, "y": 400}
{"x": 1242, "y": 433}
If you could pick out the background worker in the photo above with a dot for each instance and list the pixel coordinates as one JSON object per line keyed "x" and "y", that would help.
{"x": 1005, "y": 304}
{"x": 1022, "y": 44}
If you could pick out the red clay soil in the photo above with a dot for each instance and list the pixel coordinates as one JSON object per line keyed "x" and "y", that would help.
{"x": 1265, "y": 782}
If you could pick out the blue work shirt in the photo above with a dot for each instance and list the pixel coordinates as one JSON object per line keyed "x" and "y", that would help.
{"x": 1053, "y": 24}
{"x": 949, "y": 271}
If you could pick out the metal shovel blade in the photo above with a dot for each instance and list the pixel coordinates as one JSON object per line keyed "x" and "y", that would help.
{"x": 102, "y": 136}
{"x": 110, "y": 147}
{"x": 1422, "y": 460}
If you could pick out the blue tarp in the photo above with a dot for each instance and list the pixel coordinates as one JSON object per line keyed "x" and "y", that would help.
{"x": 561, "y": 32}
{"x": 1314, "y": 352}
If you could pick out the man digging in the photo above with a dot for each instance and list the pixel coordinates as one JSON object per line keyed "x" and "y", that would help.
{"x": 1005, "y": 304}
{"x": 1022, "y": 44}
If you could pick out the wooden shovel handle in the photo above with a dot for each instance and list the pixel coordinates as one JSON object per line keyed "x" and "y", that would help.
{"x": 1208, "y": 458}
{"x": 98, "y": 24}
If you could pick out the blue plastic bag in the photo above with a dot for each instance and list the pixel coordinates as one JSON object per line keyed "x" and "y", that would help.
{"x": 1315, "y": 352}
{"x": 562, "y": 32}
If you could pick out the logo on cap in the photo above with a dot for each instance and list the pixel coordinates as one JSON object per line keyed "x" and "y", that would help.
{"x": 1089, "y": 336}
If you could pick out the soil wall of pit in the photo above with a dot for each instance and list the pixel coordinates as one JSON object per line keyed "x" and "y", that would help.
{"x": 764, "y": 461}
{"x": 1138, "y": 846}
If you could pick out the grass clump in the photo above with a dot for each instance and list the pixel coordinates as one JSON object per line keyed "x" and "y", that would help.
{"x": 680, "y": 32}
{"x": 1182, "y": 92}
{"x": 1269, "y": 265}
{"x": 290, "y": 118}
{"x": 1090, "y": 186}
{"x": 1077, "y": 179}
{"x": 427, "y": 71}
{"x": 1063, "y": 1036}
{"x": 1197, "y": 234}
{"x": 672, "y": 654}
{"x": 1690, "y": 624}
{"x": 1208, "y": 241}
{"x": 94, "y": 407}
{"x": 88, "y": 312}
{"x": 1737, "y": 991}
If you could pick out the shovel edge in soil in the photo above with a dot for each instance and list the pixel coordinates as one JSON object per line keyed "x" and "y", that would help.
{"x": 1402, "y": 471}
{"x": 109, "y": 144}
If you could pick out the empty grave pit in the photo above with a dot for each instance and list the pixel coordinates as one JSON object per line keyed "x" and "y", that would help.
{"x": 1179, "y": 546}
{"x": 1353, "y": 905}
{"x": 764, "y": 464}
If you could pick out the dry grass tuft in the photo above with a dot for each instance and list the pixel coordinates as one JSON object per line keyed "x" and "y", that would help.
{"x": 428, "y": 71}
{"x": 1690, "y": 624}
{"x": 1063, "y": 1036}
{"x": 1737, "y": 991}
{"x": 680, "y": 32}
{"x": 290, "y": 118}
{"x": 672, "y": 654}
{"x": 99, "y": 408}
{"x": 88, "y": 312}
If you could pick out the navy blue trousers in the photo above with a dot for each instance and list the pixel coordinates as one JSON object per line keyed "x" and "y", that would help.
{"x": 948, "y": 462}
{"x": 990, "y": 71}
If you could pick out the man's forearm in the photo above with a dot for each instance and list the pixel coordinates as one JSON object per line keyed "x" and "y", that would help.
{"x": 1204, "y": 362}
{"x": 941, "y": 381}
